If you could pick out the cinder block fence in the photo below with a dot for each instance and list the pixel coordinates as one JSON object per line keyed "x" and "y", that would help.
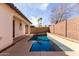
{"x": 38, "y": 30}
{"x": 68, "y": 28}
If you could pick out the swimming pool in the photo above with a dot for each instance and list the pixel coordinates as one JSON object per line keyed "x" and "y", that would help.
{"x": 42, "y": 43}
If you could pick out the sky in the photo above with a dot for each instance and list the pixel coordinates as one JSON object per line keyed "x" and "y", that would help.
{"x": 33, "y": 11}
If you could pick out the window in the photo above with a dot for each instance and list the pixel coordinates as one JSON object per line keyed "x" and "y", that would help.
{"x": 20, "y": 26}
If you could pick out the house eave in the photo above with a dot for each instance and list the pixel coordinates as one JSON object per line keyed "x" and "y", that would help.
{"x": 11, "y": 5}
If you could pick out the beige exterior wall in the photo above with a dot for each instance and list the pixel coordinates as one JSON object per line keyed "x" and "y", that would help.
{"x": 6, "y": 38}
{"x": 7, "y": 15}
{"x": 19, "y": 30}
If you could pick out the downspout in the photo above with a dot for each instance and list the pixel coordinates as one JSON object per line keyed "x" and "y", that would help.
{"x": 66, "y": 28}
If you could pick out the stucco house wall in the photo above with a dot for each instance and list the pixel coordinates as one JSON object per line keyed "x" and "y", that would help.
{"x": 19, "y": 27}
{"x": 7, "y": 15}
{"x": 5, "y": 29}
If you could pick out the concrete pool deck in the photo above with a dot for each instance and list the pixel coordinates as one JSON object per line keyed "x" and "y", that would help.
{"x": 22, "y": 48}
{"x": 19, "y": 48}
{"x": 72, "y": 45}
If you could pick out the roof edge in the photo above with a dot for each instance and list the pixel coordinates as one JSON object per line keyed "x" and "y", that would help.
{"x": 17, "y": 10}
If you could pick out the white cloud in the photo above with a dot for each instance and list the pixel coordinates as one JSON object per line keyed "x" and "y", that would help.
{"x": 34, "y": 21}
{"x": 44, "y": 6}
{"x": 41, "y": 6}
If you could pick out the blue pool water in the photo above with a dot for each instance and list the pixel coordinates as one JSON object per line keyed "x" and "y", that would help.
{"x": 42, "y": 43}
